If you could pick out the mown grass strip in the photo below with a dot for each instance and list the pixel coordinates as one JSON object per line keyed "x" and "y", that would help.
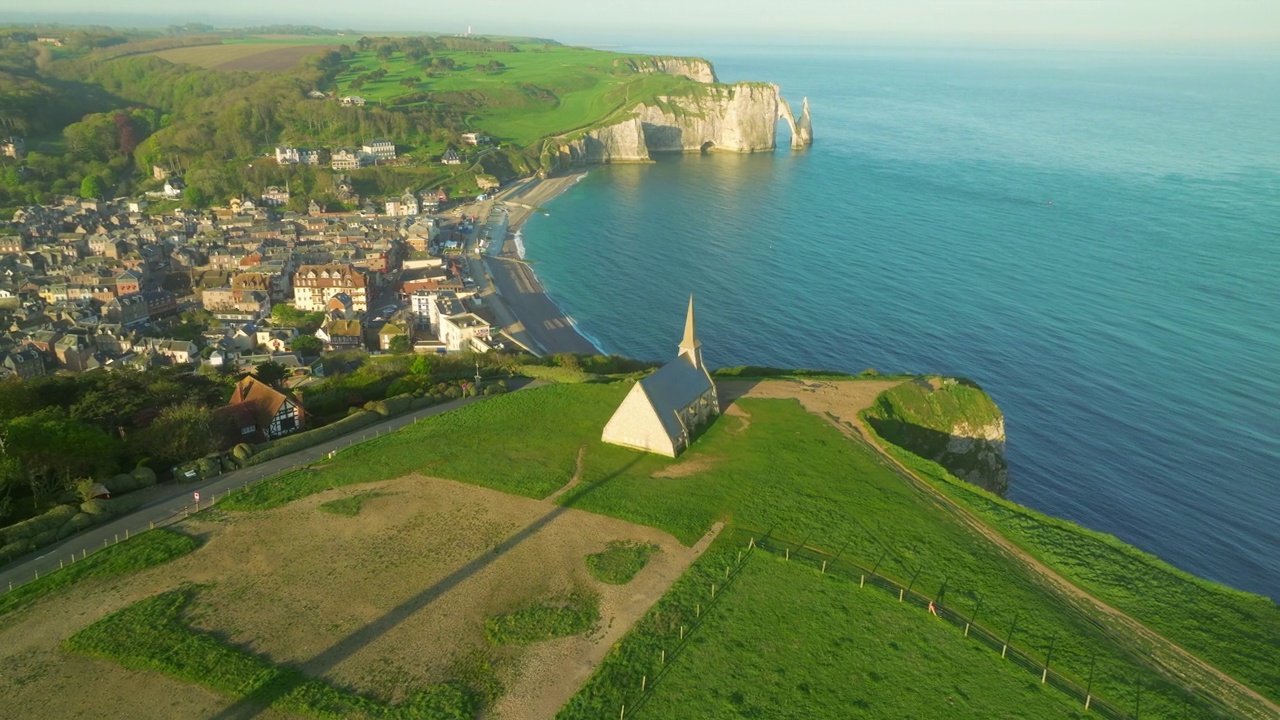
{"x": 349, "y": 506}
{"x": 151, "y": 635}
{"x": 549, "y": 620}
{"x": 620, "y": 561}
{"x": 152, "y": 548}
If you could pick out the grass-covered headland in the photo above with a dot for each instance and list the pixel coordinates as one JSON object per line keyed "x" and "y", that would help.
{"x": 782, "y": 638}
{"x": 789, "y": 470}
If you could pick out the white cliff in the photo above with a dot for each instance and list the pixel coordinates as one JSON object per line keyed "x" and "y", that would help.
{"x": 742, "y": 117}
{"x": 622, "y": 142}
{"x": 734, "y": 118}
{"x": 695, "y": 69}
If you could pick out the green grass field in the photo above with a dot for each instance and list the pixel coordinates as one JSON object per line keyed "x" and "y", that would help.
{"x": 788, "y": 469}
{"x": 543, "y": 91}
{"x": 786, "y": 642}
{"x": 152, "y": 634}
{"x": 147, "y": 550}
{"x": 1236, "y": 632}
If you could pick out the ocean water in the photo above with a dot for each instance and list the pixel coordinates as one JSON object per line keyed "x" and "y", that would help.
{"x": 1093, "y": 237}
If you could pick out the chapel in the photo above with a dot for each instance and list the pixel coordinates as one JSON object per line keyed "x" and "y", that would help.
{"x": 662, "y": 412}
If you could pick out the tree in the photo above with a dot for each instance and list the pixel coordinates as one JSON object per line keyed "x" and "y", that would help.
{"x": 271, "y": 373}
{"x": 194, "y": 197}
{"x": 308, "y": 345}
{"x": 421, "y": 365}
{"x": 91, "y": 187}
{"x": 52, "y": 449}
{"x": 181, "y": 433}
{"x": 400, "y": 344}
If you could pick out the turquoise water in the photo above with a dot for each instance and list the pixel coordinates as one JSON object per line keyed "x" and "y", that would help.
{"x": 1094, "y": 238}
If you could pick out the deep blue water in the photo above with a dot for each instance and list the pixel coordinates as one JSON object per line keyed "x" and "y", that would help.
{"x": 1094, "y": 238}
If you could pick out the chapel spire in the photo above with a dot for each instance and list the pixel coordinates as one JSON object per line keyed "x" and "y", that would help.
{"x": 690, "y": 345}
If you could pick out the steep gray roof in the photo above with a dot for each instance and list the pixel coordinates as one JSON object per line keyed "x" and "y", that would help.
{"x": 674, "y": 387}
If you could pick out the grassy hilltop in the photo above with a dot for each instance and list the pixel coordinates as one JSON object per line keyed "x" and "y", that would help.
{"x": 781, "y": 637}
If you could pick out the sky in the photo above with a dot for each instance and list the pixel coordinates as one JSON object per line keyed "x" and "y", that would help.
{"x": 1004, "y": 22}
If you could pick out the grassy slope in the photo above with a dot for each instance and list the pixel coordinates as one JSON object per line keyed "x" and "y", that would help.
{"x": 860, "y": 649}
{"x": 1237, "y": 632}
{"x": 581, "y": 86}
{"x": 147, "y": 550}
{"x": 788, "y": 469}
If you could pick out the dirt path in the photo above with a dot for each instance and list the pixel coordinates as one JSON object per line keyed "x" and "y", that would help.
{"x": 573, "y": 481}
{"x": 839, "y": 402}
{"x": 555, "y": 679}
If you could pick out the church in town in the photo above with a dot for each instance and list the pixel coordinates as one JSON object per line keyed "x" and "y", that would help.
{"x": 664, "y": 410}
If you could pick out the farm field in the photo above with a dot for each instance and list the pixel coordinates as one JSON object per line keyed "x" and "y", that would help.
{"x": 768, "y": 463}
{"x": 249, "y": 56}
{"x": 388, "y": 603}
{"x": 542, "y": 91}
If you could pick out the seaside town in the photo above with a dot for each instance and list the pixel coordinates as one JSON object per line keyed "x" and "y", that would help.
{"x": 89, "y": 284}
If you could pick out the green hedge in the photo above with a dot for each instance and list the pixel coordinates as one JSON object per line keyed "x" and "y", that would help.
{"x": 303, "y": 440}
{"x": 60, "y": 523}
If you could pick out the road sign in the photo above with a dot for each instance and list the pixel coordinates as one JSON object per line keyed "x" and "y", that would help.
{"x": 197, "y": 496}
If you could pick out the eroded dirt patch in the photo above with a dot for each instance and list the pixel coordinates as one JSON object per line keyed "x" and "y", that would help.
{"x": 383, "y": 602}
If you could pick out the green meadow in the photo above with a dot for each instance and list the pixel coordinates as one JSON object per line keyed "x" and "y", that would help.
{"x": 784, "y": 641}
{"x": 543, "y": 91}
{"x": 779, "y": 468}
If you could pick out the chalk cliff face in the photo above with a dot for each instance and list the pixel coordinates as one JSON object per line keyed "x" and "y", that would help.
{"x": 695, "y": 69}
{"x": 734, "y": 118}
{"x": 975, "y": 453}
{"x": 619, "y": 143}
{"x": 742, "y": 117}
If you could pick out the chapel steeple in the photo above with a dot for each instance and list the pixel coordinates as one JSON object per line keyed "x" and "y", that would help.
{"x": 690, "y": 345}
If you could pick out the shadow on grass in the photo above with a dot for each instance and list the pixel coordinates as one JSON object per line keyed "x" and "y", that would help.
{"x": 253, "y": 704}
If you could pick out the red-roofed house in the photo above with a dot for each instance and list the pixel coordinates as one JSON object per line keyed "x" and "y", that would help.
{"x": 260, "y": 412}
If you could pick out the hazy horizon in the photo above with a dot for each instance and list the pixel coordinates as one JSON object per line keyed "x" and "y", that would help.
{"x": 1230, "y": 24}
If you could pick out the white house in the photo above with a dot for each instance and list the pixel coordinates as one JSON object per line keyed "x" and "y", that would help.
{"x": 380, "y": 149}
{"x": 662, "y": 412}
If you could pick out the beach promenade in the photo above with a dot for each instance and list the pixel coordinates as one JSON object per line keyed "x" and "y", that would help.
{"x": 509, "y": 286}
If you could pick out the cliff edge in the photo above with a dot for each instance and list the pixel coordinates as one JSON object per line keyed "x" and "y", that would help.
{"x": 951, "y": 422}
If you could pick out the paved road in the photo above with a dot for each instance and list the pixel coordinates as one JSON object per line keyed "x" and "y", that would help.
{"x": 174, "y": 500}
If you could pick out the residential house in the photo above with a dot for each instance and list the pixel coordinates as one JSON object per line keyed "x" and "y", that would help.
{"x": 352, "y": 101}
{"x": 13, "y": 147}
{"x": 313, "y": 285}
{"x": 451, "y": 157}
{"x": 25, "y": 363}
{"x": 475, "y": 138}
{"x": 261, "y": 412}
{"x": 160, "y": 303}
{"x": 127, "y": 310}
{"x": 380, "y": 149}
{"x": 275, "y": 197}
{"x": 390, "y": 331}
{"x": 341, "y": 334}
{"x": 348, "y": 159}
{"x": 11, "y": 244}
